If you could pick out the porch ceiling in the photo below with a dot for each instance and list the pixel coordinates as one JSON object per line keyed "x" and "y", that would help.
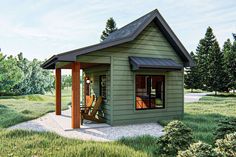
{"x": 68, "y": 65}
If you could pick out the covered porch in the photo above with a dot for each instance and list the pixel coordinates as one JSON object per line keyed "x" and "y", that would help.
{"x": 81, "y": 82}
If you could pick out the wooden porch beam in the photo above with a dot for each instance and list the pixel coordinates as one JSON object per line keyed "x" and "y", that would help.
{"x": 75, "y": 95}
{"x": 58, "y": 91}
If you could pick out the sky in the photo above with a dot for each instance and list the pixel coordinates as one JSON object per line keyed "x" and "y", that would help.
{"x": 41, "y": 28}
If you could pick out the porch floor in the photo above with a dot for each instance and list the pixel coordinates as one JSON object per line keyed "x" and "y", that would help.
{"x": 89, "y": 130}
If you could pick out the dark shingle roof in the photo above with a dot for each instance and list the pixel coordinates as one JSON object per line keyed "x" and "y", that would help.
{"x": 128, "y": 29}
{"x": 153, "y": 63}
{"x": 123, "y": 35}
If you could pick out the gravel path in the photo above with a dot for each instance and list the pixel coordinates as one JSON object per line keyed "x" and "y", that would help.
{"x": 193, "y": 97}
{"x": 92, "y": 131}
{"x": 97, "y": 132}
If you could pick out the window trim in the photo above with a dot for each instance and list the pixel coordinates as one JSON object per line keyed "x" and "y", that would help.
{"x": 164, "y": 92}
{"x": 100, "y": 86}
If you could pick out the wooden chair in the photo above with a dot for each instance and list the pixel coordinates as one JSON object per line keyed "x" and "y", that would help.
{"x": 89, "y": 103}
{"x": 91, "y": 115}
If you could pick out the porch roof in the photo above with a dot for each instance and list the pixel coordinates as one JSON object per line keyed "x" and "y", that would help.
{"x": 153, "y": 63}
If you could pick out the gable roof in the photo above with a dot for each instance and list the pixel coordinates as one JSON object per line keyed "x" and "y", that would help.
{"x": 125, "y": 34}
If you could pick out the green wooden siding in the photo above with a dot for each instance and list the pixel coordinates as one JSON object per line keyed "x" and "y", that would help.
{"x": 150, "y": 43}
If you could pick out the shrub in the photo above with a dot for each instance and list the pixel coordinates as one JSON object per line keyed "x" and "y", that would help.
{"x": 225, "y": 126}
{"x": 177, "y": 137}
{"x": 198, "y": 149}
{"x": 227, "y": 146}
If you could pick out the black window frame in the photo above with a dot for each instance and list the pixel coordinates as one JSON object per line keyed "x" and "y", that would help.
{"x": 100, "y": 87}
{"x": 164, "y": 82}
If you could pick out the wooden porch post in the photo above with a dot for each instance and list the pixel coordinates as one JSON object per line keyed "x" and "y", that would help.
{"x": 75, "y": 95}
{"x": 58, "y": 91}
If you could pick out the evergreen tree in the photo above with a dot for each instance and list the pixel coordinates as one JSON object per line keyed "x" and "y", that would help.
{"x": 227, "y": 50}
{"x": 204, "y": 47}
{"x": 110, "y": 27}
{"x": 192, "y": 77}
{"x": 231, "y": 66}
{"x": 216, "y": 71}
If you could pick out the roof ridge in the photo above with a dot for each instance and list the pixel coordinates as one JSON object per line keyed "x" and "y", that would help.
{"x": 137, "y": 19}
{"x": 122, "y": 28}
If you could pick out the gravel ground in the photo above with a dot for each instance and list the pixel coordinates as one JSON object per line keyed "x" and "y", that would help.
{"x": 89, "y": 131}
{"x": 92, "y": 131}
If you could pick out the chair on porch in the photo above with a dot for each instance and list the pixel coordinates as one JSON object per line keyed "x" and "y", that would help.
{"x": 89, "y": 103}
{"x": 92, "y": 111}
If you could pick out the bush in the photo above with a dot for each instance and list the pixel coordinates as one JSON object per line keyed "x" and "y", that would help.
{"x": 227, "y": 146}
{"x": 198, "y": 149}
{"x": 225, "y": 126}
{"x": 177, "y": 137}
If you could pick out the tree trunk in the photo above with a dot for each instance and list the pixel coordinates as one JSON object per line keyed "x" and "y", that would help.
{"x": 191, "y": 90}
{"x": 215, "y": 92}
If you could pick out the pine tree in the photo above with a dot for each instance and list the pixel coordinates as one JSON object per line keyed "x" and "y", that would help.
{"x": 216, "y": 71}
{"x": 192, "y": 77}
{"x": 110, "y": 27}
{"x": 227, "y": 50}
{"x": 232, "y": 66}
{"x": 204, "y": 47}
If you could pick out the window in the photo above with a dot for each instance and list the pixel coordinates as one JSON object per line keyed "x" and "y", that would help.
{"x": 150, "y": 92}
{"x": 103, "y": 88}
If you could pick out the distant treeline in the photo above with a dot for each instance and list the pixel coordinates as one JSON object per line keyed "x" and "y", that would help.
{"x": 215, "y": 68}
{"x": 19, "y": 76}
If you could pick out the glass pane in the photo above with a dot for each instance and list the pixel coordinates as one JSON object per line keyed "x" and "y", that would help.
{"x": 142, "y": 96}
{"x": 157, "y": 91}
{"x": 150, "y": 92}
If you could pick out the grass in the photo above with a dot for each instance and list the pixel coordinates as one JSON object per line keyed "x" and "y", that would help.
{"x": 16, "y": 109}
{"x": 201, "y": 116}
{"x": 25, "y": 143}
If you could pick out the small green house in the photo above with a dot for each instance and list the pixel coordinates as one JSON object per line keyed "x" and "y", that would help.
{"x": 138, "y": 70}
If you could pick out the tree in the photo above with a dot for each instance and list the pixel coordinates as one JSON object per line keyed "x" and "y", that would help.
{"x": 40, "y": 80}
{"x": 192, "y": 76}
{"x": 110, "y": 27}
{"x": 35, "y": 79}
{"x": 10, "y": 74}
{"x": 216, "y": 71}
{"x": 66, "y": 81}
{"x": 231, "y": 66}
{"x": 227, "y": 50}
{"x": 23, "y": 87}
{"x": 204, "y": 47}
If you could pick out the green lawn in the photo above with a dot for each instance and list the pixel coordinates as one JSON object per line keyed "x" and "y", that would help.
{"x": 16, "y": 109}
{"x": 202, "y": 117}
